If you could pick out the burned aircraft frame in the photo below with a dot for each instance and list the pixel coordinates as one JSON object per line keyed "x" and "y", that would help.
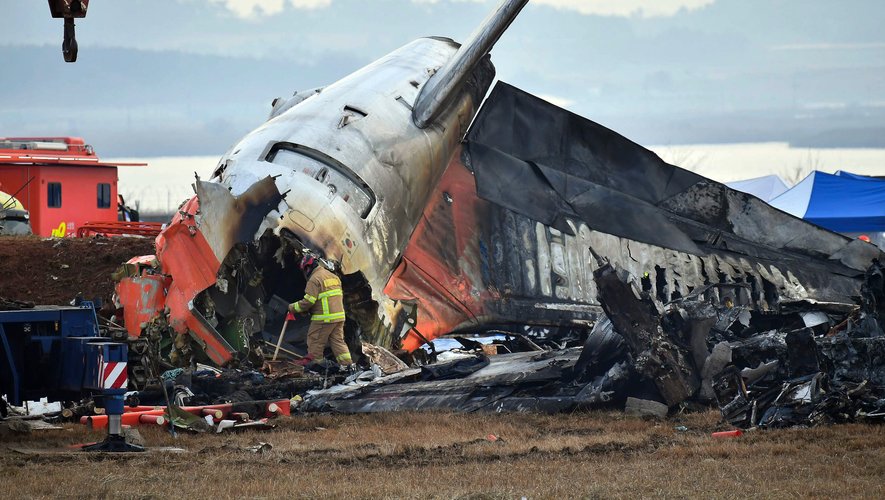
{"x": 498, "y": 227}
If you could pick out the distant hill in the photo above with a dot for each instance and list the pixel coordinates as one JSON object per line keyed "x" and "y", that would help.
{"x": 140, "y": 103}
{"x": 129, "y": 102}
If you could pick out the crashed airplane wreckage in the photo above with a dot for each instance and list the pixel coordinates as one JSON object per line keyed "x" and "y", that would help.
{"x": 437, "y": 229}
{"x": 808, "y": 363}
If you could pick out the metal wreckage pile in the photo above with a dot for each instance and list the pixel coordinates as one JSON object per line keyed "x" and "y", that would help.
{"x": 593, "y": 273}
{"x": 806, "y": 364}
{"x": 628, "y": 283}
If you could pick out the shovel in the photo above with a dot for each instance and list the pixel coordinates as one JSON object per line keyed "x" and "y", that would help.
{"x": 282, "y": 332}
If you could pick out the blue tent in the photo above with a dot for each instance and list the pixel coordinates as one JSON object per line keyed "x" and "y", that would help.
{"x": 765, "y": 188}
{"x": 839, "y": 203}
{"x": 845, "y": 173}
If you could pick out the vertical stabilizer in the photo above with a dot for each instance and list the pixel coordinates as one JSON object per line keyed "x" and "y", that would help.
{"x": 439, "y": 91}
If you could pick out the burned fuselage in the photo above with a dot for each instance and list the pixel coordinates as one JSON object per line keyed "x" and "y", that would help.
{"x": 351, "y": 174}
{"x": 435, "y": 229}
{"x": 355, "y": 171}
{"x": 538, "y": 195}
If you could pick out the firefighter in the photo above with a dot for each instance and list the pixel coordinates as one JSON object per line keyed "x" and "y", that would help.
{"x": 324, "y": 301}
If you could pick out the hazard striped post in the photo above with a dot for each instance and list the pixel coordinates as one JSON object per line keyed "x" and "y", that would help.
{"x": 115, "y": 375}
{"x": 114, "y": 379}
{"x": 111, "y": 380}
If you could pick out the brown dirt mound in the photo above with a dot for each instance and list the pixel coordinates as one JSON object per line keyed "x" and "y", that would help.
{"x": 54, "y": 271}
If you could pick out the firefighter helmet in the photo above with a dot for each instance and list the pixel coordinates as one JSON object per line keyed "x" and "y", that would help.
{"x": 307, "y": 262}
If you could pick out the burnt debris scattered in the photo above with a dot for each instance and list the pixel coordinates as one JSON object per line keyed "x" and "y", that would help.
{"x": 806, "y": 363}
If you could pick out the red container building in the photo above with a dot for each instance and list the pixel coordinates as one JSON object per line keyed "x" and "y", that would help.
{"x": 60, "y": 181}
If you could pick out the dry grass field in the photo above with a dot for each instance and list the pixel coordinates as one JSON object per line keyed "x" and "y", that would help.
{"x": 432, "y": 455}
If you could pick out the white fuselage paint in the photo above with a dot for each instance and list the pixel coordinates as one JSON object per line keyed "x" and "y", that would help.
{"x": 364, "y": 122}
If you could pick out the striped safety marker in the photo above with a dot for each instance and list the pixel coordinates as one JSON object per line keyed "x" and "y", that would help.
{"x": 115, "y": 375}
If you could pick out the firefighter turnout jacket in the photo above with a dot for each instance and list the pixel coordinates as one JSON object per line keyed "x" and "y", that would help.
{"x": 323, "y": 297}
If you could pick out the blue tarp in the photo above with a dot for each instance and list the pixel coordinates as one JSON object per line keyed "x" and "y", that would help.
{"x": 839, "y": 203}
{"x": 844, "y": 173}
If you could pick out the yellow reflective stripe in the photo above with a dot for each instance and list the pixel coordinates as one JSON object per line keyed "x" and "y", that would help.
{"x": 330, "y": 315}
{"x": 344, "y": 357}
{"x": 330, "y": 282}
{"x": 296, "y": 307}
{"x": 325, "y": 301}
{"x": 331, "y": 293}
{"x": 327, "y": 317}
{"x": 310, "y": 298}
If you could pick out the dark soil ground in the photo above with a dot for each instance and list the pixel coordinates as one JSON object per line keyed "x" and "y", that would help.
{"x": 54, "y": 271}
{"x": 440, "y": 455}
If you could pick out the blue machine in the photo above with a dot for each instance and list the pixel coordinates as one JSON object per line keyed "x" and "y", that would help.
{"x": 42, "y": 352}
{"x": 58, "y": 353}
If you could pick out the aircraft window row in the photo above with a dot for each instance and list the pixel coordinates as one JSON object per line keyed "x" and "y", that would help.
{"x": 340, "y": 181}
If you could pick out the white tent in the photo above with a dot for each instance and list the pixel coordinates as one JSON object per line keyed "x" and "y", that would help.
{"x": 765, "y": 188}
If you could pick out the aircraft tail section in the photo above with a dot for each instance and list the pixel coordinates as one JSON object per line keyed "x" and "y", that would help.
{"x": 439, "y": 91}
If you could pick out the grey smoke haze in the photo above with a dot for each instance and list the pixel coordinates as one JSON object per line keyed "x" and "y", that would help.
{"x": 191, "y": 76}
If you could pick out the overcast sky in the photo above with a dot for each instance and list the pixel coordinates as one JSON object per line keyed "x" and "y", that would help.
{"x": 637, "y": 65}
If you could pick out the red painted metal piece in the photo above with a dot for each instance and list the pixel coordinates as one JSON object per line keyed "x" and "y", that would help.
{"x": 728, "y": 434}
{"x": 188, "y": 266}
{"x": 133, "y": 415}
{"x": 143, "y": 299}
{"x": 187, "y": 257}
{"x": 438, "y": 270}
{"x": 118, "y": 228}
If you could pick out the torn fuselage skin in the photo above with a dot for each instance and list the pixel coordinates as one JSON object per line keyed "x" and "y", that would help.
{"x": 473, "y": 263}
{"x": 507, "y": 238}
{"x": 356, "y": 172}
{"x": 433, "y": 235}
{"x": 347, "y": 174}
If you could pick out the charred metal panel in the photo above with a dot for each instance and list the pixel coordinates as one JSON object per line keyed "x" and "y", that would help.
{"x": 636, "y": 318}
{"x": 514, "y": 242}
{"x": 659, "y": 221}
{"x": 528, "y": 381}
{"x": 188, "y": 258}
{"x": 471, "y": 264}
{"x": 580, "y": 168}
{"x": 226, "y": 220}
{"x": 485, "y": 264}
